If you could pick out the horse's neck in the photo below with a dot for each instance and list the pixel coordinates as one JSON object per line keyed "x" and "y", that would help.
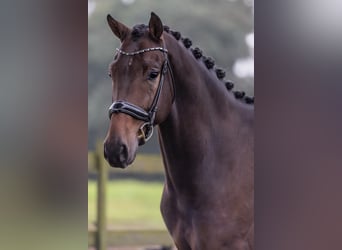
{"x": 199, "y": 115}
{"x": 201, "y": 100}
{"x": 198, "y": 90}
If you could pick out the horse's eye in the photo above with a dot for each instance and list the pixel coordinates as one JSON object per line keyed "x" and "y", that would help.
{"x": 110, "y": 75}
{"x": 153, "y": 75}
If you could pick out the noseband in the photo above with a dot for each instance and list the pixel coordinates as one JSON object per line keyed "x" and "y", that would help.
{"x": 148, "y": 117}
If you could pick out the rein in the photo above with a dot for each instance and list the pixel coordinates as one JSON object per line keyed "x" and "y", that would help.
{"x": 148, "y": 117}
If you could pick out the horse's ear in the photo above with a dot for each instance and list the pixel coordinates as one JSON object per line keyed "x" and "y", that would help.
{"x": 155, "y": 26}
{"x": 119, "y": 29}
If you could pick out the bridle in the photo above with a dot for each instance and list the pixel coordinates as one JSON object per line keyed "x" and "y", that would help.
{"x": 148, "y": 117}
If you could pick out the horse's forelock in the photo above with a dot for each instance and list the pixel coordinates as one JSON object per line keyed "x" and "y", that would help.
{"x": 138, "y": 31}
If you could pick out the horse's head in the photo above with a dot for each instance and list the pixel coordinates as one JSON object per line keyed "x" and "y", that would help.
{"x": 142, "y": 89}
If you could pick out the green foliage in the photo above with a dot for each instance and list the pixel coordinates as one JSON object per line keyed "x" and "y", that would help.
{"x": 218, "y": 27}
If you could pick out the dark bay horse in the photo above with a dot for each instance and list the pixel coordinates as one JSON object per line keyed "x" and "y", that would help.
{"x": 205, "y": 134}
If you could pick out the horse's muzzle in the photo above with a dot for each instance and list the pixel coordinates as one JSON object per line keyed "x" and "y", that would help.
{"x": 116, "y": 154}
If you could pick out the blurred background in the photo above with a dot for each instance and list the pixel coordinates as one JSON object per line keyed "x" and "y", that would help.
{"x": 224, "y": 30}
{"x": 44, "y": 119}
{"x": 43, "y": 125}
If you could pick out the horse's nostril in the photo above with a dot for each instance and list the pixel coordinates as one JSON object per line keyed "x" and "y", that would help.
{"x": 105, "y": 151}
{"x": 123, "y": 154}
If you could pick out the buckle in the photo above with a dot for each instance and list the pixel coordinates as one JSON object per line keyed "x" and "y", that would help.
{"x": 145, "y": 133}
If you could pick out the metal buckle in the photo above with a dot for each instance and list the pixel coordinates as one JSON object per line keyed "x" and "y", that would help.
{"x": 142, "y": 136}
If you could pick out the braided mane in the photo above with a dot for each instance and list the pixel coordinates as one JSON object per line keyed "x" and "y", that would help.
{"x": 209, "y": 62}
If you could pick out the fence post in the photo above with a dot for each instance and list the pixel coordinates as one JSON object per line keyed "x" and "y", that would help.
{"x": 101, "y": 236}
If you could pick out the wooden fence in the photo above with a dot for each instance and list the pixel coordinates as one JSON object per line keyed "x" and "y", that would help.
{"x": 99, "y": 235}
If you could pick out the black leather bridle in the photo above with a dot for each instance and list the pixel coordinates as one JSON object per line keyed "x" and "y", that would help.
{"x": 148, "y": 117}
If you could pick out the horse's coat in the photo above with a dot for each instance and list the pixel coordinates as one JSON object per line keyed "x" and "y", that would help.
{"x": 205, "y": 134}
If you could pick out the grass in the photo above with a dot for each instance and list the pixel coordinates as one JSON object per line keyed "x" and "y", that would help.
{"x": 130, "y": 204}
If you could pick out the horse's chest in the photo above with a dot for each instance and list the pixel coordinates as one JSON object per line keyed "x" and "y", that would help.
{"x": 193, "y": 228}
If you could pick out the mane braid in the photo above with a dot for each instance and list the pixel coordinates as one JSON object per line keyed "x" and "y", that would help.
{"x": 249, "y": 100}
{"x": 187, "y": 42}
{"x": 209, "y": 62}
{"x": 166, "y": 29}
{"x": 229, "y": 85}
{"x": 220, "y": 73}
{"x": 176, "y": 34}
{"x": 239, "y": 94}
{"x": 197, "y": 52}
